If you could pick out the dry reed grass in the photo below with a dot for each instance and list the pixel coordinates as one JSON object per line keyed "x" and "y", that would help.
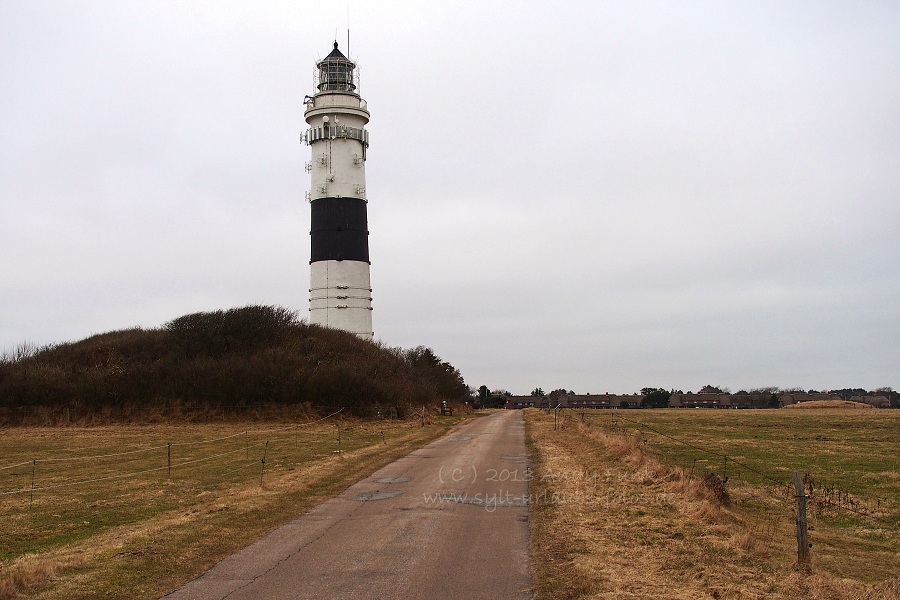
{"x": 25, "y": 574}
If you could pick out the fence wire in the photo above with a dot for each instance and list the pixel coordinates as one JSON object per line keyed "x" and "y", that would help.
{"x": 46, "y": 485}
{"x": 728, "y": 460}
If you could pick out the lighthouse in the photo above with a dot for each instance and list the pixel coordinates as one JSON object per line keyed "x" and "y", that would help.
{"x": 340, "y": 291}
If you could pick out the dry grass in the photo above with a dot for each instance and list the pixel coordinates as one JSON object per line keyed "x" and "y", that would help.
{"x": 612, "y": 519}
{"x": 142, "y": 535}
{"x": 24, "y": 574}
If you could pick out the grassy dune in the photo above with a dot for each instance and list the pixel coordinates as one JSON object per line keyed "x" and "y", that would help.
{"x": 206, "y": 364}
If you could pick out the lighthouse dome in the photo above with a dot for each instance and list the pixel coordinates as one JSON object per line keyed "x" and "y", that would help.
{"x": 336, "y": 72}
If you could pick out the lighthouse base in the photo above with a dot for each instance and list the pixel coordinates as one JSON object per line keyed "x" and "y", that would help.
{"x": 340, "y": 296}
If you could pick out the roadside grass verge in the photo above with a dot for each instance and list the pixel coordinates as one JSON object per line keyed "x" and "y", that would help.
{"x": 120, "y": 527}
{"x": 617, "y": 517}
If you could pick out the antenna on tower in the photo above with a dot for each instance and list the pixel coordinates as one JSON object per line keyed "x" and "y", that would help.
{"x": 348, "y": 30}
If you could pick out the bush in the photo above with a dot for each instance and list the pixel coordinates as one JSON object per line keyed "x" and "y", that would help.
{"x": 234, "y": 359}
{"x": 218, "y": 332}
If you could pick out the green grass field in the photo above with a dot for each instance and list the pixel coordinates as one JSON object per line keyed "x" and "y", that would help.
{"x": 99, "y": 513}
{"x": 857, "y": 450}
{"x": 630, "y": 544}
{"x": 850, "y": 456}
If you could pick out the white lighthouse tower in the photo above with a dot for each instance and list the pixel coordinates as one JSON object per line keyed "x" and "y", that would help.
{"x": 340, "y": 292}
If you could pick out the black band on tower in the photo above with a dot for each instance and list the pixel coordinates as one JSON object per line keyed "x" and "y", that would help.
{"x": 340, "y": 230}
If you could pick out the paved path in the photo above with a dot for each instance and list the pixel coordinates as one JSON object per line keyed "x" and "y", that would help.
{"x": 449, "y": 520}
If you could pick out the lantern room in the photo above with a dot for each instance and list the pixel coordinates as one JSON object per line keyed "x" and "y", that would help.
{"x": 337, "y": 73}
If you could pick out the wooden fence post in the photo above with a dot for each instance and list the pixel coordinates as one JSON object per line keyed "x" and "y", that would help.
{"x": 262, "y": 470}
{"x": 31, "y": 495}
{"x": 803, "y": 555}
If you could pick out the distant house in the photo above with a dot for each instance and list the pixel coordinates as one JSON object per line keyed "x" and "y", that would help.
{"x": 798, "y": 397}
{"x": 756, "y": 400}
{"x": 701, "y": 401}
{"x": 599, "y": 400}
{"x": 520, "y": 401}
{"x": 876, "y": 401}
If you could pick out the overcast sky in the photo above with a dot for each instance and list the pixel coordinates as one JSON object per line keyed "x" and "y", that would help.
{"x": 599, "y": 196}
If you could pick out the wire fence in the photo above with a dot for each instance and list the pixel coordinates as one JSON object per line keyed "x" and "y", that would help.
{"x": 823, "y": 496}
{"x": 62, "y": 490}
{"x": 177, "y": 413}
{"x": 86, "y": 415}
{"x": 767, "y": 499}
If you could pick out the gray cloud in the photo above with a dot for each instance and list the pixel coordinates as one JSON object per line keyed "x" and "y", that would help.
{"x": 592, "y": 196}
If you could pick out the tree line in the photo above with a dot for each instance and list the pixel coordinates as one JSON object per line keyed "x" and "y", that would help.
{"x": 658, "y": 397}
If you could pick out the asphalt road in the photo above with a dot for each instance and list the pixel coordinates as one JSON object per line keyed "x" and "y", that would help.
{"x": 449, "y": 520}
